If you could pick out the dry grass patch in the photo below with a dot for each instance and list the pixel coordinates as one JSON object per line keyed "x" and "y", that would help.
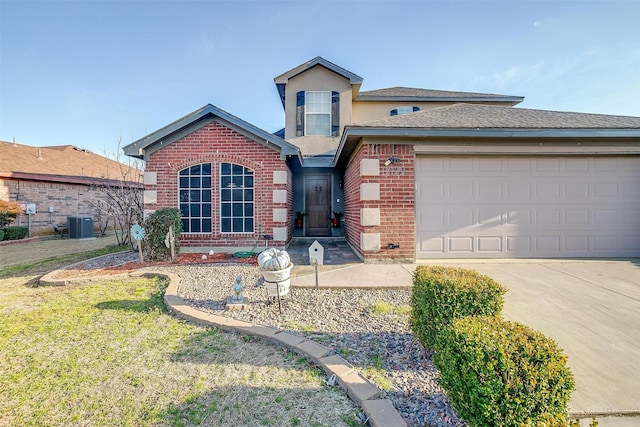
{"x": 106, "y": 354}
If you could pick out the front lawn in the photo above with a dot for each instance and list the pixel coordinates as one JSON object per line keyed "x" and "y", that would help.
{"x": 109, "y": 354}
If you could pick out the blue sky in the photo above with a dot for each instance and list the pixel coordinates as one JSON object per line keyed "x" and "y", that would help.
{"x": 90, "y": 72}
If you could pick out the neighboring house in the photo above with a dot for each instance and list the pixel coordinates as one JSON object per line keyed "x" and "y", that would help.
{"x": 417, "y": 173}
{"x": 60, "y": 181}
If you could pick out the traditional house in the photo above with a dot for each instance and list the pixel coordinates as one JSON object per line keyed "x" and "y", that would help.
{"x": 413, "y": 174}
{"x": 58, "y": 182}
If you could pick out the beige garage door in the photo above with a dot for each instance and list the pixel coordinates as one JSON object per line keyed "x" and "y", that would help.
{"x": 496, "y": 207}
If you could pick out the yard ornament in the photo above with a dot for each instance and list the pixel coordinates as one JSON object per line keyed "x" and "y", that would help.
{"x": 137, "y": 233}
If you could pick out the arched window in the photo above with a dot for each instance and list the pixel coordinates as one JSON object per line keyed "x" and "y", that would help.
{"x": 194, "y": 192}
{"x": 236, "y": 199}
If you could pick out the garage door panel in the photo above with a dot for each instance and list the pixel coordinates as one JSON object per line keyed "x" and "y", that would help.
{"x": 528, "y": 207}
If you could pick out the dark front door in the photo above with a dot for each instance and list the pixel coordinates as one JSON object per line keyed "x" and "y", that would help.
{"x": 318, "y": 205}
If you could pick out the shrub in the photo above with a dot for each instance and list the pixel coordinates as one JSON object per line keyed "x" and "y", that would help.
{"x": 502, "y": 373}
{"x": 15, "y": 233}
{"x": 8, "y": 212}
{"x": 442, "y": 294}
{"x": 156, "y": 227}
{"x": 1, "y": 235}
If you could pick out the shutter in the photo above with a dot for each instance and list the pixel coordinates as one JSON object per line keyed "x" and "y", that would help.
{"x": 416, "y": 109}
{"x": 335, "y": 113}
{"x": 300, "y": 113}
{"x": 394, "y": 112}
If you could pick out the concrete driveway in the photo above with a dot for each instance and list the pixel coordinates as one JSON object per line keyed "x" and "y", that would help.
{"x": 592, "y": 309}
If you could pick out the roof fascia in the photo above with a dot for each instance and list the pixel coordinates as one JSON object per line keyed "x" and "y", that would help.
{"x": 190, "y": 123}
{"x": 282, "y": 80}
{"x": 352, "y": 135}
{"x": 507, "y": 99}
{"x": 69, "y": 179}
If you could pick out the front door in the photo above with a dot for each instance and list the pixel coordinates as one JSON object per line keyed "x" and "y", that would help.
{"x": 318, "y": 205}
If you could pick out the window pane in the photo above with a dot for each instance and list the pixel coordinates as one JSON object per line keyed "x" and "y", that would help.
{"x": 236, "y": 199}
{"x": 206, "y": 182}
{"x": 194, "y": 196}
{"x": 194, "y": 182}
{"x": 318, "y": 124}
{"x": 184, "y": 195}
{"x": 206, "y": 210}
{"x": 206, "y": 169}
{"x": 206, "y": 225}
{"x": 195, "y": 225}
{"x": 184, "y": 209}
{"x": 184, "y": 172}
{"x": 195, "y": 170}
{"x": 194, "y": 209}
{"x": 206, "y": 195}
{"x": 184, "y": 182}
{"x": 185, "y": 224}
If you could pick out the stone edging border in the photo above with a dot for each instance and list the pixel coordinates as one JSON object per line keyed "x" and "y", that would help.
{"x": 380, "y": 412}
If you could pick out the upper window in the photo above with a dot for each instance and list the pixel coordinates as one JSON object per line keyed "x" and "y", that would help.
{"x": 404, "y": 110}
{"x": 236, "y": 199}
{"x": 317, "y": 113}
{"x": 194, "y": 192}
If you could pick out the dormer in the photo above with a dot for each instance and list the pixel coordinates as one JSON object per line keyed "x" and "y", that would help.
{"x": 317, "y": 98}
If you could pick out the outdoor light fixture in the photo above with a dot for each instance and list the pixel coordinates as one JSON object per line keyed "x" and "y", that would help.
{"x": 391, "y": 160}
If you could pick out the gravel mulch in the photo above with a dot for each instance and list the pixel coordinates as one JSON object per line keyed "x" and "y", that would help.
{"x": 377, "y": 342}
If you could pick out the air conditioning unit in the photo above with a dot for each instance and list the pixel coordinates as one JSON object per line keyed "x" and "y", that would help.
{"x": 80, "y": 227}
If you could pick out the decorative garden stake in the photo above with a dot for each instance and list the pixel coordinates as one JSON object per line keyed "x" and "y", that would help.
{"x": 137, "y": 233}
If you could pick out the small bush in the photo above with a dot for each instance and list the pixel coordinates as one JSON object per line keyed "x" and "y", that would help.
{"x": 442, "y": 294}
{"x": 15, "y": 233}
{"x": 156, "y": 227}
{"x": 502, "y": 373}
{"x": 8, "y": 212}
{"x": 1, "y": 235}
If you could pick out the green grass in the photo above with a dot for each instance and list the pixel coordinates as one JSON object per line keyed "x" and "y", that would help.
{"x": 109, "y": 354}
{"x": 301, "y": 327}
{"x": 53, "y": 263}
{"x": 383, "y": 307}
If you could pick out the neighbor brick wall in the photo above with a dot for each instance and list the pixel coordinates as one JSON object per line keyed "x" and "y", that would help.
{"x": 215, "y": 144}
{"x": 396, "y": 204}
{"x": 65, "y": 199}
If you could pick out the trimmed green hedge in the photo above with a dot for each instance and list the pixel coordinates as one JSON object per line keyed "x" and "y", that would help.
{"x": 502, "y": 373}
{"x": 442, "y": 294}
{"x": 15, "y": 233}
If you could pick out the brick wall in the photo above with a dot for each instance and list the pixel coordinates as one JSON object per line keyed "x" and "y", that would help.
{"x": 65, "y": 199}
{"x": 217, "y": 144}
{"x": 396, "y": 203}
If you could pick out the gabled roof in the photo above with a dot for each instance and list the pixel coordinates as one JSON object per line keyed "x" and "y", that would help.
{"x": 431, "y": 95}
{"x": 190, "y": 123}
{"x": 282, "y": 80}
{"x": 64, "y": 163}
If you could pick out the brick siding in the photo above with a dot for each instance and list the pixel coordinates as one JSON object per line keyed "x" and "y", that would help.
{"x": 396, "y": 204}
{"x": 215, "y": 144}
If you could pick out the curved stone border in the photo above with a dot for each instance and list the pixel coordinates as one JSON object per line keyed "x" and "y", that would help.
{"x": 380, "y": 412}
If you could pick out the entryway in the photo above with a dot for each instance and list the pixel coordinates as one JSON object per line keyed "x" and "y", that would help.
{"x": 318, "y": 205}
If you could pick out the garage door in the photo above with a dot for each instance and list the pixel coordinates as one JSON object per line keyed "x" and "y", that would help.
{"x": 495, "y": 207}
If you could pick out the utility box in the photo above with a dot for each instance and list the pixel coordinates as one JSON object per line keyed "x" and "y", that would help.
{"x": 80, "y": 227}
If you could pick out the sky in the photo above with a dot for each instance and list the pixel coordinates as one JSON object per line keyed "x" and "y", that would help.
{"x": 99, "y": 74}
